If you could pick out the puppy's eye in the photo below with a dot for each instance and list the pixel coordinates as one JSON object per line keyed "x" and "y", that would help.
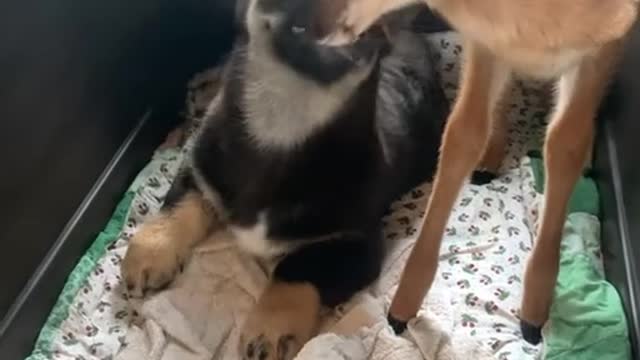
{"x": 266, "y": 25}
{"x": 298, "y": 29}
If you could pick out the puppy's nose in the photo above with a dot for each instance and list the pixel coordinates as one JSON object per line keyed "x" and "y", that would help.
{"x": 326, "y": 24}
{"x": 346, "y": 36}
{"x": 339, "y": 38}
{"x": 375, "y": 32}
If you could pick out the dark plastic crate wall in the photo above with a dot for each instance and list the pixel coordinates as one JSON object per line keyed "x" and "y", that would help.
{"x": 616, "y": 162}
{"x": 77, "y": 78}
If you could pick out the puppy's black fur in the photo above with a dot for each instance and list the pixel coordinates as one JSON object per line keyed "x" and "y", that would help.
{"x": 336, "y": 183}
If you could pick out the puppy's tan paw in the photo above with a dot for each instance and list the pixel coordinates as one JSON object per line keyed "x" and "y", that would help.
{"x": 152, "y": 260}
{"x": 262, "y": 348}
{"x": 284, "y": 319}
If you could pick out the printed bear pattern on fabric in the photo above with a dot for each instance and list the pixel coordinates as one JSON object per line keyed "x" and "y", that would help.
{"x": 481, "y": 263}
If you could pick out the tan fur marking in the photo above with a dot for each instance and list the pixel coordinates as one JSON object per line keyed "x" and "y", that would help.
{"x": 161, "y": 246}
{"x": 284, "y": 319}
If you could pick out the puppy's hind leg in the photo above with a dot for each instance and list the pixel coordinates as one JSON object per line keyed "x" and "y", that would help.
{"x": 285, "y": 317}
{"x": 568, "y": 141}
{"x": 326, "y": 273}
{"x": 162, "y": 244}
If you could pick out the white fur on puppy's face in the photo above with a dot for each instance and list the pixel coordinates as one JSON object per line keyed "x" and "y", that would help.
{"x": 282, "y": 107}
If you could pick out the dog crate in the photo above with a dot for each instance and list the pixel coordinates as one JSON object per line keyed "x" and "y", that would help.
{"x": 88, "y": 90}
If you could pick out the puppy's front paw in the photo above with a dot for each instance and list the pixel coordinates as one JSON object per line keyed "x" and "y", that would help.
{"x": 152, "y": 260}
{"x": 261, "y": 347}
{"x": 284, "y": 319}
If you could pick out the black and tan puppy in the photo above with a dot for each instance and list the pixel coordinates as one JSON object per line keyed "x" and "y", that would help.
{"x": 305, "y": 149}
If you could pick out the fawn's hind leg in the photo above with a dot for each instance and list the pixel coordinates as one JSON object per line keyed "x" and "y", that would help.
{"x": 496, "y": 149}
{"x": 567, "y": 146}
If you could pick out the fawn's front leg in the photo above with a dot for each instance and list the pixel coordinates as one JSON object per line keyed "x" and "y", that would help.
{"x": 465, "y": 138}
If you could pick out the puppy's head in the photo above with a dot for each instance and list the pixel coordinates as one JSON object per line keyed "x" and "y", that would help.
{"x": 289, "y": 30}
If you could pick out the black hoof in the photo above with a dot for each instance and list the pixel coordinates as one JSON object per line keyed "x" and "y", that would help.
{"x": 531, "y": 333}
{"x": 398, "y": 326}
{"x": 482, "y": 177}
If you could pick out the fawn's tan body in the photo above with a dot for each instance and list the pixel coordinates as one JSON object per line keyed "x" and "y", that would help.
{"x": 576, "y": 42}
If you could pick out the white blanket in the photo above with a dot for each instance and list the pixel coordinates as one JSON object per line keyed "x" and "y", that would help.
{"x": 199, "y": 317}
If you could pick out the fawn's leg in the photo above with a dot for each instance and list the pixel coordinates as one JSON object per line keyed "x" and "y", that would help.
{"x": 496, "y": 148}
{"x": 465, "y": 137}
{"x": 567, "y": 147}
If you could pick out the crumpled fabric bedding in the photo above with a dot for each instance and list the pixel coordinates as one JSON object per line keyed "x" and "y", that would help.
{"x": 200, "y": 316}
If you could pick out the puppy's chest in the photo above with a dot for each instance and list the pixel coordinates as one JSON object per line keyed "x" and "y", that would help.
{"x": 276, "y": 200}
